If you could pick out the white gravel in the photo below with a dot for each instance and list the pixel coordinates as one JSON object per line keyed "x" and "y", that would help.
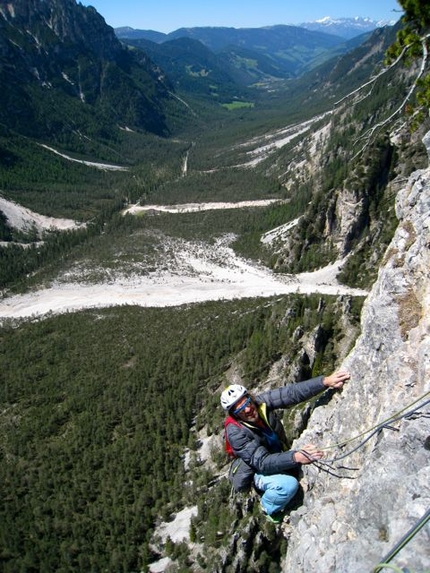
{"x": 209, "y": 272}
{"x": 178, "y": 529}
{"x": 23, "y": 219}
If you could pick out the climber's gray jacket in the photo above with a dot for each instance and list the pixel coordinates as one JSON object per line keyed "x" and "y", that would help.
{"x": 248, "y": 441}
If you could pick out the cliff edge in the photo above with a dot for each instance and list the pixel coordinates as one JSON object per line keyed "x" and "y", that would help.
{"x": 352, "y": 520}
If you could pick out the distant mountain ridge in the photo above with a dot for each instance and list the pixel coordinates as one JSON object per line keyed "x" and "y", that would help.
{"x": 346, "y": 28}
{"x": 217, "y": 38}
{"x": 274, "y": 51}
{"x": 252, "y": 54}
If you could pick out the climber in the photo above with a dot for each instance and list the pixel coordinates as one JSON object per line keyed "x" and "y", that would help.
{"x": 258, "y": 441}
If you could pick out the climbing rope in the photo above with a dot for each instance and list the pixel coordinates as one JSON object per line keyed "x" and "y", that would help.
{"x": 386, "y": 424}
{"x": 378, "y": 427}
{"x": 328, "y": 467}
{"x": 397, "y": 569}
{"x": 403, "y": 541}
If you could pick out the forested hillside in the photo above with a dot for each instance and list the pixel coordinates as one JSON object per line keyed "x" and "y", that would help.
{"x": 83, "y": 82}
{"x": 270, "y": 52}
{"x": 98, "y": 407}
{"x": 109, "y": 417}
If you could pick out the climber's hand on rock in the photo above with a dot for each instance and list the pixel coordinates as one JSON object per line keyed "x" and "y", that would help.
{"x": 337, "y": 379}
{"x": 307, "y": 455}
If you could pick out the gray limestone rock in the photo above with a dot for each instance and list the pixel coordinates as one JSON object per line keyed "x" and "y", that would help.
{"x": 349, "y": 525}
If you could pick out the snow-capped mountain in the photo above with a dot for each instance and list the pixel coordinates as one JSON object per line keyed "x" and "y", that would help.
{"x": 346, "y": 27}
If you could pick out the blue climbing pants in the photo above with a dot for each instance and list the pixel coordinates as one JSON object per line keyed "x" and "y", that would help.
{"x": 277, "y": 490}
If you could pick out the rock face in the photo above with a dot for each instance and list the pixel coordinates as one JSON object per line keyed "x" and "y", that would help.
{"x": 350, "y": 525}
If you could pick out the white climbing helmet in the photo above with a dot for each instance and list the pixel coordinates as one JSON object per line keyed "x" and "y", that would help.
{"x": 232, "y": 394}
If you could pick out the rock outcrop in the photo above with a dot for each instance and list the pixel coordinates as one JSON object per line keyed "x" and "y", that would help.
{"x": 350, "y": 525}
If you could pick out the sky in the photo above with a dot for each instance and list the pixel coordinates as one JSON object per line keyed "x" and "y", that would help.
{"x": 169, "y": 15}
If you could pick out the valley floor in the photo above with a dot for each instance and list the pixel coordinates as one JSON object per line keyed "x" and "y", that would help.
{"x": 196, "y": 274}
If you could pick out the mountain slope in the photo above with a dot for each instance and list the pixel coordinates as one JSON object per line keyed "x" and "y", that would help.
{"x": 191, "y": 67}
{"x": 289, "y": 48}
{"x": 65, "y": 70}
